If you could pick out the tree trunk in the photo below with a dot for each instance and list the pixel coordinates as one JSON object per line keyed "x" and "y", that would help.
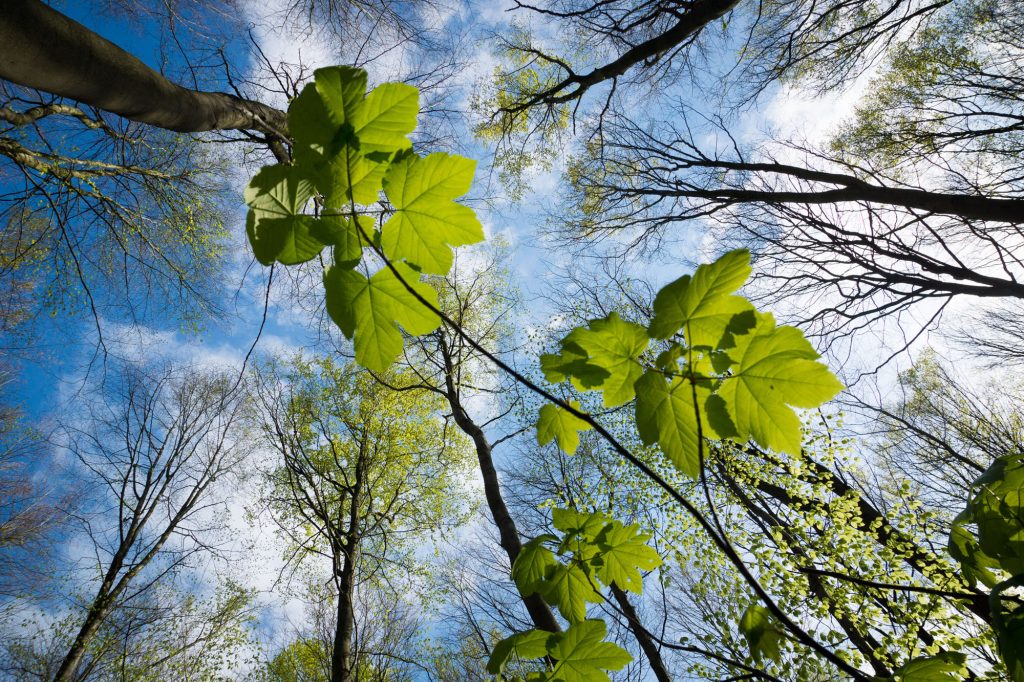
{"x": 67, "y": 672}
{"x": 508, "y": 535}
{"x": 342, "y": 660}
{"x": 42, "y": 49}
{"x": 643, "y": 638}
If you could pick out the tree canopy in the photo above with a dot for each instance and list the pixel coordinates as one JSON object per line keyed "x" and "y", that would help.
{"x": 670, "y": 271}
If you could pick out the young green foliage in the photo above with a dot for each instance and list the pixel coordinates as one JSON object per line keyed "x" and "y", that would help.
{"x": 598, "y": 552}
{"x": 723, "y": 370}
{"x": 349, "y": 147}
{"x": 945, "y": 667}
{"x": 370, "y": 309}
{"x": 427, "y": 220}
{"x": 277, "y": 226}
{"x": 728, "y": 371}
{"x": 602, "y": 356}
{"x": 561, "y": 426}
{"x": 580, "y": 654}
{"x": 761, "y": 633}
{"x": 994, "y": 554}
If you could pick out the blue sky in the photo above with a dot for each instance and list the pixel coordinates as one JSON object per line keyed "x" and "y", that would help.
{"x": 52, "y": 378}
{"x": 524, "y": 224}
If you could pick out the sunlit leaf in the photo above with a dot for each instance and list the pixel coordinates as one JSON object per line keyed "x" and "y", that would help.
{"x": 612, "y": 345}
{"x": 555, "y": 423}
{"x": 277, "y": 227}
{"x": 701, "y": 306}
{"x": 776, "y": 370}
{"x": 944, "y": 667}
{"x": 387, "y": 116}
{"x": 624, "y": 552}
{"x": 527, "y": 645}
{"x": 581, "y": 655}
{"x": 570, "y": 589}
{"x": 427, "y": 221}
{"x": 666, "y": 414}
{"x": 370, "y": 311}
{"x": 340, "y": 232}
{"x": 533, "y": 564}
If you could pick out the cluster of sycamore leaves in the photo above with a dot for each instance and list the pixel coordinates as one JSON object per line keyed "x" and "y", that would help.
{"x": 349, "y": 146}
{"x": 708, "y": 366}
{"x": 569, "y": 572}
{"x": 724, "y": 370}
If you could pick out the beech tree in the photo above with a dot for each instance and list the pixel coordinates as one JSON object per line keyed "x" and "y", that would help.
{"x": 114, "y": 185}
{"x": 99, "y": 210}
{"x": 160, "y": 452}
{"x": 365, "y": 472}
{"x": 172, "y": 630}
{"x": 31, "y": 512}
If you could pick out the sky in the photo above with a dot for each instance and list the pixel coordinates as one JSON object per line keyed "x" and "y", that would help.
{"x": 785, "y": 111}
{"x": 55, "y": 379}
{"x": 523, "y": 224}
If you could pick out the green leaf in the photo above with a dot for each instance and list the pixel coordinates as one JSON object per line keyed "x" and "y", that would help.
{"x": 340, "y": 232}
{"x": 702, "y": 305}
{"x": 527, "y": 645}
{"x": 613, "y": 345}
{"x": 998, "y": 511}
{"x": 533, "y": 564}
{"x": 427, "y": 222}
{"x": 572, "y": 363}
{"x": 581, "y": 654}
{"x": 572, "y": 522}
{"x": 570, "y": 588}
{"x": 386, "y": 117}
{"x": 665, "y": 415}
{"x": 328, "y": 120}
{"x": 276, "y": 225}
{"x": 371, "y": 310}
{"x": 943, "y": 667}
{"x": 310, "y": 126}
{"x": 349, "y": 177}
{"x": 623, "y": 554}
{"x": 974, "y": 563}
{"x": 761, "y": 633}
{"x": 1010, "y": 638}
{"x": 775, "y": 368}
{"x": 560, "y": 425}
{"x": 668, "y": 360}
{"x": 342, "y": 89}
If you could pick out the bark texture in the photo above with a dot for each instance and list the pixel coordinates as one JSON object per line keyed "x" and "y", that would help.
{"x": 643, "y": 637}
{"x": 43, "y": 49}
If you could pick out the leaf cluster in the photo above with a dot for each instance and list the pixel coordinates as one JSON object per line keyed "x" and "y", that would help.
{"x": 349, "y": 148}
{"x": 726, "y": 371}
{"x": 569, "y": 572}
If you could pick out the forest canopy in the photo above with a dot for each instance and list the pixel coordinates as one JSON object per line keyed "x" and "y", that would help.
{"x": 622, "y": 340}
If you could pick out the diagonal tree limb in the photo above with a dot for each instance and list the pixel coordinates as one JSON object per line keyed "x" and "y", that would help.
{"x": 43, "y": 49}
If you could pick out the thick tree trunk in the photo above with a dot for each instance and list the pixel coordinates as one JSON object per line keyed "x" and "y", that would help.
{"x": 110, "y": 589}
{"x": 42, "y": 49}
{"x": 67, "y": 672}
